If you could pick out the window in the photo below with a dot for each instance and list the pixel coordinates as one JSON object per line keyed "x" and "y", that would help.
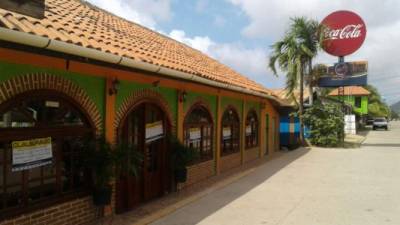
{"x": 230, "y": 132}
{"x": 44, "y": 115}
{"x": 358, "y": 102}
{"x": 251, "y": 130}
{"x": 198, "y": 132}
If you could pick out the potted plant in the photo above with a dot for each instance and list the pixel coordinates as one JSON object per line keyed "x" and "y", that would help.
{"x": 105, "y": 161}
{"x": 181, "y": 157}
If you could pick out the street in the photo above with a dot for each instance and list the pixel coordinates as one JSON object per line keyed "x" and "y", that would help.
{"x": 310, "y": 187}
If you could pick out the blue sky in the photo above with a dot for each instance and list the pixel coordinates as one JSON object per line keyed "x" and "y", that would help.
{"x": 238, "y": 33}
{"x": 219, "y": 20}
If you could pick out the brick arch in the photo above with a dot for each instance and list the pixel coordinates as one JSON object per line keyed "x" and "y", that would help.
{"x": 142, "y": 96}
{"x": 42, "y": 81}
{"x": 199, "y": 102}
{"x": 250, "y": 110}
{"x": 229, "y": 106}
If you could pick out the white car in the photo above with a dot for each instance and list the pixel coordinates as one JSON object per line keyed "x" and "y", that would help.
{"x": 380, "y": 123}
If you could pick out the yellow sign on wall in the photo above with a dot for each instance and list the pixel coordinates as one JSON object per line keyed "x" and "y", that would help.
{"x": 30, "y": 154}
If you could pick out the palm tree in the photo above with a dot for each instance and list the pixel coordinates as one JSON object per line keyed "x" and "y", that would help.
{"x": 294, "y": 54}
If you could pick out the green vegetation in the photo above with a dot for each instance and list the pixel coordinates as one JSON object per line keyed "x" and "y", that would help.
{"x": 181, "y": 157}
{"x": 106, "y": 161}
{"x": 294, "y": 55}
{"x": 326, "y": 124}
{"x": 377, "y": 107}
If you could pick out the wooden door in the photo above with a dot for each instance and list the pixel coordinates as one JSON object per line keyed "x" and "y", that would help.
{"x": 151, "y": 182}
{"x": 154, "y": 155}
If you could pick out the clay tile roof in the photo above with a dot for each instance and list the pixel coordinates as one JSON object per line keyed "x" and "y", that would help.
{"x": 283, "y": 95}
{"x": 351, "y": 90}
{"x": 80, "y": 23}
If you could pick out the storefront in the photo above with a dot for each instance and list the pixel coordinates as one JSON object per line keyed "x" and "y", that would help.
{"x": 69, "y": 76}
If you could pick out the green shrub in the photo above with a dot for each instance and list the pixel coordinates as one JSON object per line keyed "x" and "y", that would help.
{"x": 326, "y": 124}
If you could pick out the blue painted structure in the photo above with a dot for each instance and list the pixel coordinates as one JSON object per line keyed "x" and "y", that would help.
{"x": 289, "y": 137}
{"x": 284, "y": 131}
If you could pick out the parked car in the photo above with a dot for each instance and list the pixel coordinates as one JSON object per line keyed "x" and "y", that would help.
{"x": 380, "y": 123}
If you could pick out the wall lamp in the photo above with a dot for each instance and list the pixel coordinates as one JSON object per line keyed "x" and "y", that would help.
{"x": 156, "y": 83}
{"x": 182, "y": 96}
{"x": 114, "y": 87}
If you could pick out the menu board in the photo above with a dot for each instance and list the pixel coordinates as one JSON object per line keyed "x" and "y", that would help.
{"x": 194, "y": 134}
{"x": 30, "y": 154}
{"x": 226, "y": 133}
{"x": 154, "y": 131}
{"x": 248, "y": 130}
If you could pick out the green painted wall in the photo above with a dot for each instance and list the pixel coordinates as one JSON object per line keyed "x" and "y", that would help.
{"x": 253, "y": 105}
{"x": 237, "y": 103}
{"x": 127, "y": 88}
{"x": 94, "y": 86}
{"x": 363, "y": 110}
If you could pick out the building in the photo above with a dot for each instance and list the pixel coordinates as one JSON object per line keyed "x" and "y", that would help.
{"x": 356, "y": 96}
{"x": 82, "y": 71}
{"x": 289, "y": 124}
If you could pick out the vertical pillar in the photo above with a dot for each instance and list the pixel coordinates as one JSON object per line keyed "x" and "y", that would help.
{"x": 110, "y": 134}
{"x": 218, "y": 136}
{"x": 261, "y": 129}
{"x": 110, "y": 112}
{"x": 180, "y": 117}
{"x": 243, "y": 131}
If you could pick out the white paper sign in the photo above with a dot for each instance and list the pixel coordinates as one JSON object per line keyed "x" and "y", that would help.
{"x": 350, "y": 124}
{"x": 194, "y": 134}
{"x": 154, "y": 131}
{"x": 31, "y": 154}
{"x": 226, "y": 133}
{"x": 248, "y": 130}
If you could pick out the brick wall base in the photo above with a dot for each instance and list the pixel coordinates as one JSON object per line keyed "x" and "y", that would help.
{"x": 199, "y": 172}
{"x": 230, "y": 161}
{"x": 76, "y": 212}
{"x": 251, "y": 154}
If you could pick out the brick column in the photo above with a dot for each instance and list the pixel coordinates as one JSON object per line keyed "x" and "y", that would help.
{"x": 243, "y": 132}
{"x": 218, "y": 137}
{"x": 262, "y": 128}
{"x": 110, "y": 135}
{"x": 180, "y": 118}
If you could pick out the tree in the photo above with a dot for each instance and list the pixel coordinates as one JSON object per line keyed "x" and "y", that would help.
{"x": 376, "y": 106}
{"x": 294, "y": 54}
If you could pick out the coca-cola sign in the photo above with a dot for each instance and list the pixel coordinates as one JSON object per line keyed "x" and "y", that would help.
{"x": 344, "y": 32}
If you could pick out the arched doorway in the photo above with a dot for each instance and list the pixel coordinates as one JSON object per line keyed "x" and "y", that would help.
{"x": 41, "y": 143}
{"x": 146, "y": 127}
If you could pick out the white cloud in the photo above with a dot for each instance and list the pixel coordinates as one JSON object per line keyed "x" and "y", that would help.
{"x": 144, "y": 12}
{"x": 202, "y": 44}
{"x": 269, "y": 19}
{"x": 250, "y": 62}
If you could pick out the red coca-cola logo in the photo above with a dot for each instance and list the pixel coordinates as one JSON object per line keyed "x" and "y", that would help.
{"x": 344, "y": 32}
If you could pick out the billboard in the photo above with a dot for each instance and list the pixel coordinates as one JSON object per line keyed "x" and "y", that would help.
{"x": 343, "y": 74}
{"x": 344, "y": 32}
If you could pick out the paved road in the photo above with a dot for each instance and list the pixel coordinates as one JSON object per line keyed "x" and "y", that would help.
{"x": 318, "y": 187}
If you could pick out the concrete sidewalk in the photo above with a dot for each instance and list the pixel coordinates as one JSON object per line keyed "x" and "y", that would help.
{"x": 164, "y": 206}
{"x": 318, "y": 187}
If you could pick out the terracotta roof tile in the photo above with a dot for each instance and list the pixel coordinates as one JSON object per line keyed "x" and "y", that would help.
{"x": 351, "y": 90}
{"x": 80, "y": 23}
